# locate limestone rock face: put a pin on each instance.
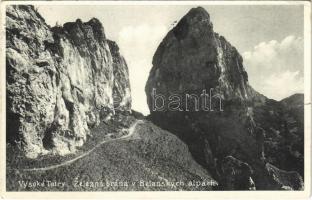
(247, 131)
(60, 81)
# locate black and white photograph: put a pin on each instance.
(124, 96)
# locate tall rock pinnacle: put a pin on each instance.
(192, 57)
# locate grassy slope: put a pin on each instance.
(152, 154)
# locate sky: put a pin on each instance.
(269, 37)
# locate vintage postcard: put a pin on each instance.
(166, 99)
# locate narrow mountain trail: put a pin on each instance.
(131, 131)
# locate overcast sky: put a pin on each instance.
(270, 39)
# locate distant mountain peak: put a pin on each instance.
(294, 100)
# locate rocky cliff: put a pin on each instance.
(198, 89)
(61, 81)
